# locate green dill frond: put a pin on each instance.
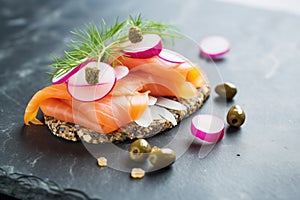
(152, 27)
(135, 21)
(99, 42)
(91, 43)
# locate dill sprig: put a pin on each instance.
(99, 42)
(152, 27)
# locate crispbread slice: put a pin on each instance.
(74, 132)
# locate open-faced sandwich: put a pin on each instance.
(119, 83)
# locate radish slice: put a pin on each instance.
(150, 46)
(121, 72)
(106, 75)
(79, 89)
(168, 103)
(65, 77)
(208, 128)
(214, 47)
(171, 56)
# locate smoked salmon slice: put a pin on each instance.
(142, 76)
(102, 116)
(191, 72)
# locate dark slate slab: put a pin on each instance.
(263, 63)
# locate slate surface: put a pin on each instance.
(263, 64)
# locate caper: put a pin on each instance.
(135, 34)
(226, 90)
(236, 116)
(161, 158)
(139, 150)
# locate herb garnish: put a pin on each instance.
(99, 43)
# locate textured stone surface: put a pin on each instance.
(263, 64)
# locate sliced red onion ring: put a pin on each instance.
(214, 47)
(150, 46)
(168, 103)
(171, 56)
(208, 128)
(65, 77)
(152, 100)
(163, 113)
(121, 72)
(155, 113)
(79, 89)
(146, 118)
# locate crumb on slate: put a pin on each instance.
(102, 162)
(137, 173)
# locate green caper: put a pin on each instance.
(139, 150)
(161, 158)
(236, 116)
(226, 90)
(135, 34)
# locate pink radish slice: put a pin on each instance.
(121, 72)
(171, 56)
(91, 92)
(150, 46)
(214, 47)
(79, 89)
(208, 128)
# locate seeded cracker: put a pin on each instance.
(92, 75)
(130, 131)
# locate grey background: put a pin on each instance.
(263, 63)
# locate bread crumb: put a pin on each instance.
(102, 162)
(155, 148)
(137, 173)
